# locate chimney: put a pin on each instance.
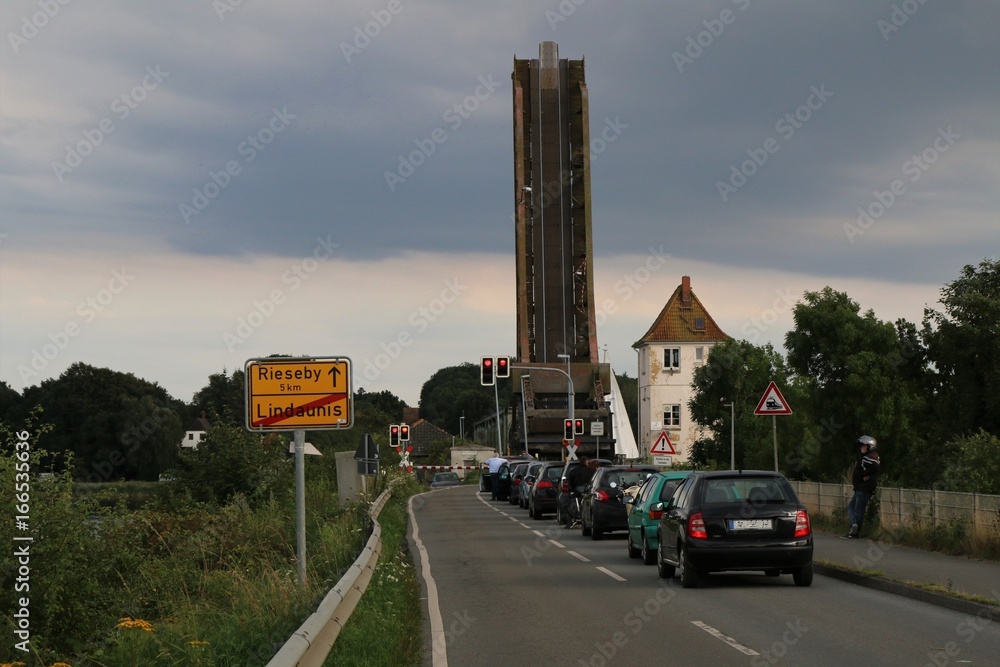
(686, 292)
(411, 415)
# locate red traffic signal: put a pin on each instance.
(487, 376)
(568, 429)
(394, 435)
(404, 432)
(578, 427)
(503, 367)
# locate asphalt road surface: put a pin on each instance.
(504, 589)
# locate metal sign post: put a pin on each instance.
(293, 394)
(300, 504)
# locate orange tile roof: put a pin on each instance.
(676, 322)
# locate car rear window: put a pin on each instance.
(625, 478)
(739, 489)
(667, 489)
(553, 473)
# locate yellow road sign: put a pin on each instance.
(286, 394)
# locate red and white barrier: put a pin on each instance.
(450, 467)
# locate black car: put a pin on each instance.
(602, 508)
(566, 511)
(445, 479)
(542, 497)
(527, 482)
(735, 520)
(517, 469)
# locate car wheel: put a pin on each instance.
(803, 576)
(560, 519)
(632, 551)
(648, 557)
(665, 570)
(584, 528)
(689, 578)
(535, 514)
(595, 532)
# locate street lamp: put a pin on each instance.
(524, 410)
(732, 434)
(461, 428)
(567, 358)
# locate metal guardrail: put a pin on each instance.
(310, 644)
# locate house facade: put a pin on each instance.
(196, 432)
(675, 345)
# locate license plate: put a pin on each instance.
(750, 524)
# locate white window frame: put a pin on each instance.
(672, 415)
(671, 358)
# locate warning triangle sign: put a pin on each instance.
(663, 445)
(772, 402)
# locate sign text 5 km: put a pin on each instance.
(287, 394)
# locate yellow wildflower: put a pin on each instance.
(135, 623)
(197, 642)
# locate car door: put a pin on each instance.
(640, 508)
(674, 518)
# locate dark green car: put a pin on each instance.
(645, 511)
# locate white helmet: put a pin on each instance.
(868, 440)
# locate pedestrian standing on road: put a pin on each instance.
(864, 479)
(493, 465)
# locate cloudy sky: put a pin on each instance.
(188, 185)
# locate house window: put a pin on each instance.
(671, 358)
(699, 354)
(190, 436)
(699, 324)
(671, 416)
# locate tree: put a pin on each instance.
(223, 398)
(963, 344)
(739, 372)
(232, 461)
(454, 392)
(851, 376)
(973, 464)
(93, 411)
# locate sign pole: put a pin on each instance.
(774, 429)
(300, 503)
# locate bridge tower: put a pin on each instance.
(554, 253)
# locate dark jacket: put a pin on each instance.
(865, 476)
(579, 477)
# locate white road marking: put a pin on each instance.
(729, 640)
(611, 574)
(557, 544)
(576, 555)
(439, 653)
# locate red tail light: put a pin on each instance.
(601, 496)
(545, 484)
(655, 514)
(802, 527)
(696, 527)
(564, 488)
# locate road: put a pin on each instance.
(511, 590)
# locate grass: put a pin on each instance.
(386, 626)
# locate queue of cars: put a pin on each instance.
(687, 523)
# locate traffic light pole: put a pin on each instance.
(496, 403)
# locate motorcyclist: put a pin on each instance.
(579, 478)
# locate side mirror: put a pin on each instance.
(656, 507)
(629, 500)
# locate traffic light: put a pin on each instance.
(394, 435)
(578, 427)
(486, 372)
(503, 367)
(404, 432)
(568, 429)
